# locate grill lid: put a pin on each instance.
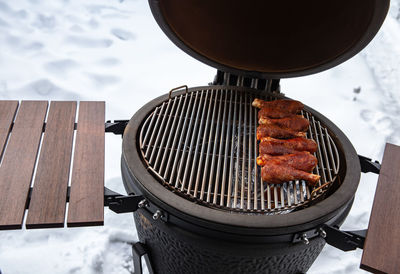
(271, 39)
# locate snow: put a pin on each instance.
(114, 51)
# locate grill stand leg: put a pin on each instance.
(139, 251)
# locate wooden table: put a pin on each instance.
(43, 152)
(382, 245)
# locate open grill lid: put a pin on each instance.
(271, 39)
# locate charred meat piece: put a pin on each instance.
(277, 108)
(295, 122)
(275, 131)
(274, 146)
(275, 113)
(279, 104)
(276, 174)
(301, 160)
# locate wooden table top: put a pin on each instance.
(43, 153)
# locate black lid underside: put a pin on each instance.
(271, 39)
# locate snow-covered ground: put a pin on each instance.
(114, 51)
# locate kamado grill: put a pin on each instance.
(191, 154)
(189, 158)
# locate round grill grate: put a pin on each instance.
(202, 145)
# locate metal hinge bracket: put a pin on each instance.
(367, 165)
(117, 127)
(122, 203)
(344, 240)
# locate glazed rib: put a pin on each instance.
(276, 174)
(295, 122)
(301, 160)
(275, 131)
(274, 146)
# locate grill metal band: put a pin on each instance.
(202, 145)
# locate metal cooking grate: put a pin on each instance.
(202, 145)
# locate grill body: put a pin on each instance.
(175, 250)
(192, 236)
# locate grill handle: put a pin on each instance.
(139, 251)
(184, 86)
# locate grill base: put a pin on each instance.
(173, 250)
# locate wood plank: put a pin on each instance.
(382, 245)
(49, 196)
(18, 163)
(86, 205)
(7, 114)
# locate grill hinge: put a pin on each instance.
(367, 165)
(344, 240)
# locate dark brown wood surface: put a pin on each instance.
(382, 246)
(7, 113)
(86, 205)
(18, 163)
(49, 196)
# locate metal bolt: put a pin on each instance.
(304, 239)
(143, 203)
(157, 215)
(322, 233)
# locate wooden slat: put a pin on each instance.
(19, 161)
(86, 205)
(7, 113)
(49, 196)
(382, 246)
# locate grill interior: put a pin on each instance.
(202, 145)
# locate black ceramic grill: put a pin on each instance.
(203, 147)
(191, 155)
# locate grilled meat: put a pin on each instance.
(274, 146)
(279, 104)
(277, 108)
(275, 113)
(301, 160)
(277, 132)
(276, 174)
(295, 122)
(278, 121)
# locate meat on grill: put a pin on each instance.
(277, 108)
(295, 122)
(275, 113)
(275, 131)
(300, 160)
(274, 146)
(279, 104)
(276, 174)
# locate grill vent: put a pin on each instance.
(202, 145)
